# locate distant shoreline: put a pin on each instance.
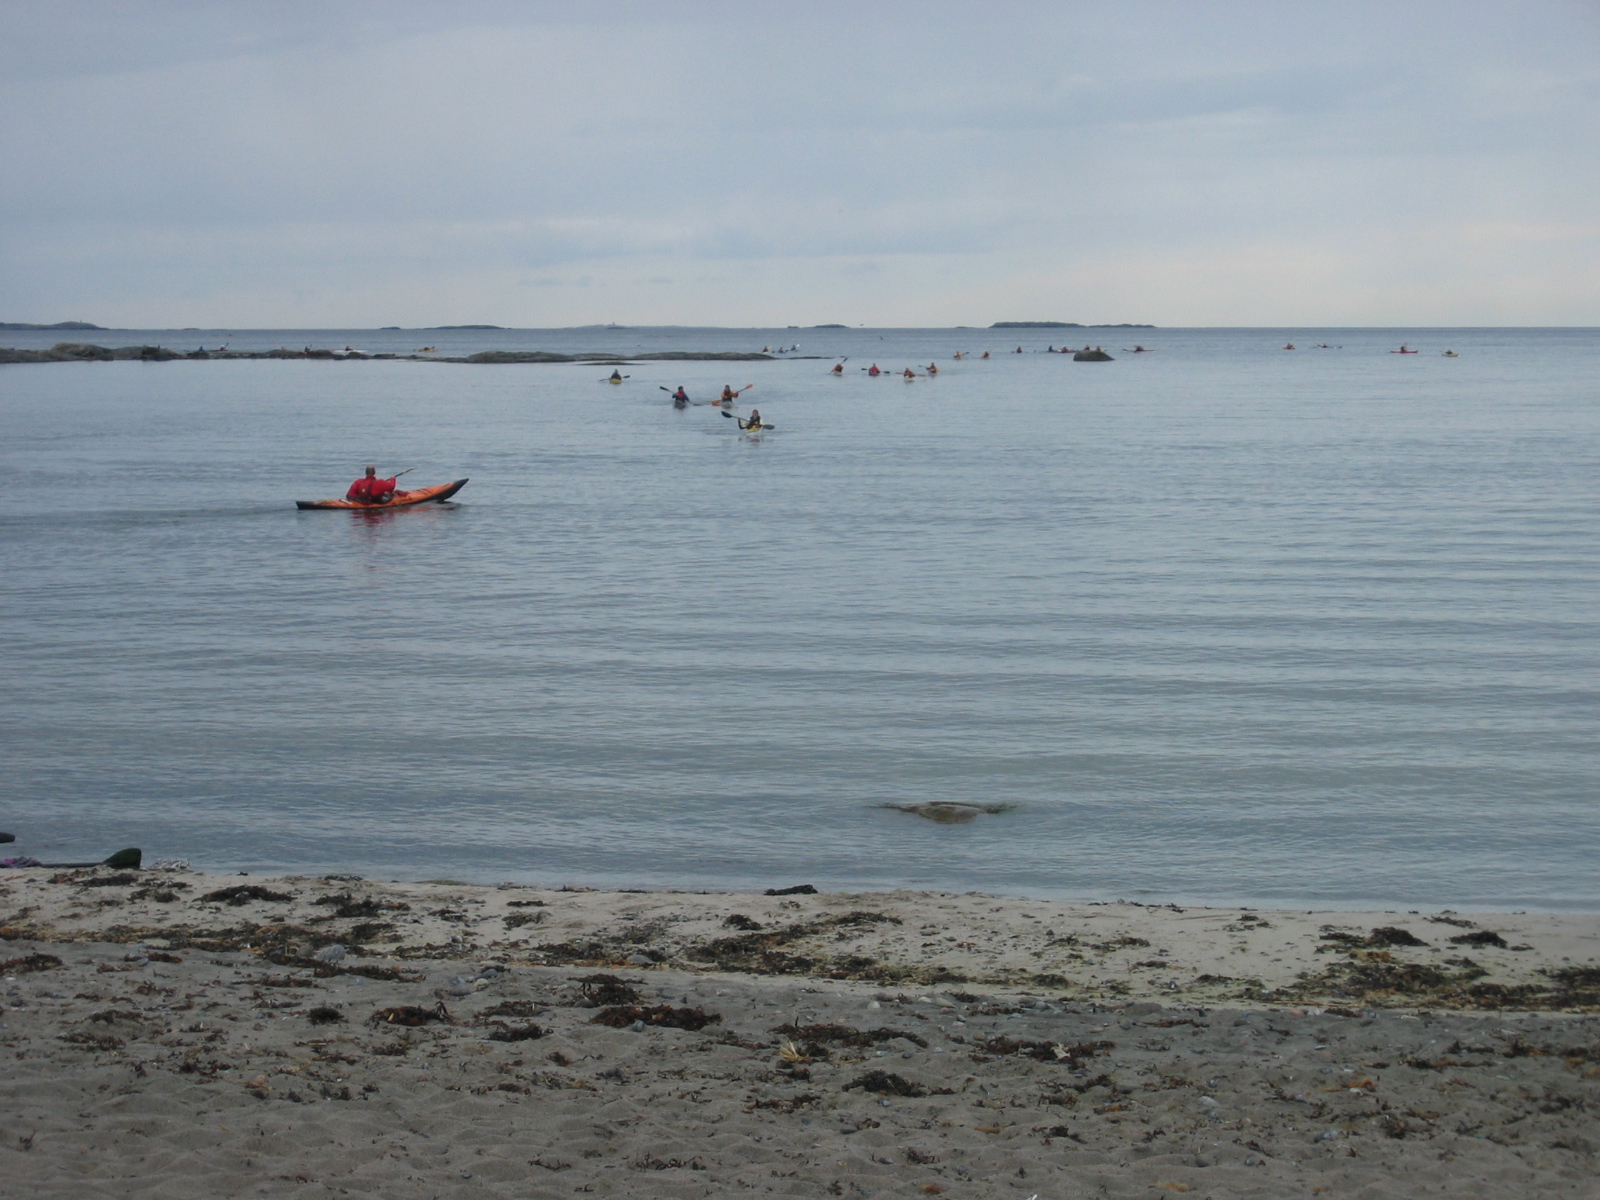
(85, 352)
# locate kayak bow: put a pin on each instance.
(427, 495)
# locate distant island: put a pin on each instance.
(433, 327)
(1063, 325)
(824, 327)
(57, 325)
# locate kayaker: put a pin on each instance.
(728, 393)
(838, 369)
(369, 489)
(933, 368)
(754, 422)
(616, 377)
(680, 398)
(909, 373)
(873, 370)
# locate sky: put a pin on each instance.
(358, 163)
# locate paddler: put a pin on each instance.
(728, 394)
(838, 369)
(369, 489)
(933, 368)
(754, 422)
(873, 371)
(616, 376)
(680, 398)
(909, 373)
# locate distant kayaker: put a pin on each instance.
(838, 369)
(728, 393)
(616, 376)
(985, 354)
(369, 489)
(680, 398)
(873, 370)
(754, 422)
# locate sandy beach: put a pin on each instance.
(171, 1032)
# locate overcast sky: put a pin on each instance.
(342, 163)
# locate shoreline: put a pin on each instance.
(1089, 951)
(174, 1032)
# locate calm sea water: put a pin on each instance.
(1223, 622)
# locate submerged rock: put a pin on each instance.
(949, 812)
(1092, 356)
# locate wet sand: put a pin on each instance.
(169, 1035)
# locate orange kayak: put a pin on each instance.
(427, 495)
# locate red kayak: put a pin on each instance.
(427, 495)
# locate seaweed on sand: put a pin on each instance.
(1072, 1057)
(605, 991)
(885, 1083)
(661, 1015)
(760, 952)
(346, 905)
(239, 896)
(1409, 984)
(845, 1035)
(1380, 938)
(29, 963)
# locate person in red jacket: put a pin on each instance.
(369, 489)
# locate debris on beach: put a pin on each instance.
(660, 1015)
(411, 1015)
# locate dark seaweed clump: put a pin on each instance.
(885, 1083)
(1482, 937)
(605, 991)
(661, 1016)
(844, 1035)
(238, 897)
(29, 963)
(1072, 1057)
(1380, 938)
(516, 1033)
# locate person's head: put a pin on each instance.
(371, 472)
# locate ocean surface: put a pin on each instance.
(1223, 623)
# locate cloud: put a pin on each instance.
(361, 157)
